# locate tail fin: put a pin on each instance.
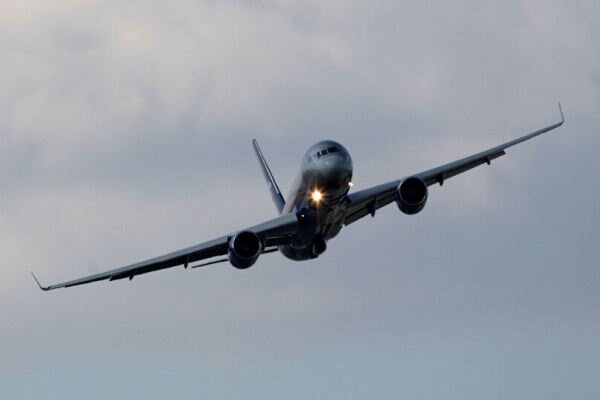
(275, 192)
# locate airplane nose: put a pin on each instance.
(335, 169)
(334, 173)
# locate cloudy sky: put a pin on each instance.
(125, 132)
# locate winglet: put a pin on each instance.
(562, 116)
(44, 288)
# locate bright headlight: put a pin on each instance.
(316, 196)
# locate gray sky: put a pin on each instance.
(125, 132)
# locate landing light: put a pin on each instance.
(316, 196)
(350, 184)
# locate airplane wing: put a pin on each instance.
(367, 201)
(272, 233)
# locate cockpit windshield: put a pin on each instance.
(315, 156)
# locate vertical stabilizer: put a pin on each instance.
(273, 188)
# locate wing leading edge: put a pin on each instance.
(273, 232)
(367, 201)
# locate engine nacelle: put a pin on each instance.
(244, 249)
(411, 195)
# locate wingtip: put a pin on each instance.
(562, 115)
(44, 288)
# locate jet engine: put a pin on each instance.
(244, 249)
(411, 195)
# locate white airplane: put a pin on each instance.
(318, 206)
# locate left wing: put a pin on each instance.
(367, 201)
(272, 233)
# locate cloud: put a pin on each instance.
(125, 132)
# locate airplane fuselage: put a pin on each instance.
(317, 197)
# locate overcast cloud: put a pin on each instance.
(125, 132)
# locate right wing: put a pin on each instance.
(367, 201)
(274, 232)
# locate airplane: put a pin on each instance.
(319, 205)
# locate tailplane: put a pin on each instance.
(274, 189)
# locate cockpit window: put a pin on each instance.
(315, 156)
